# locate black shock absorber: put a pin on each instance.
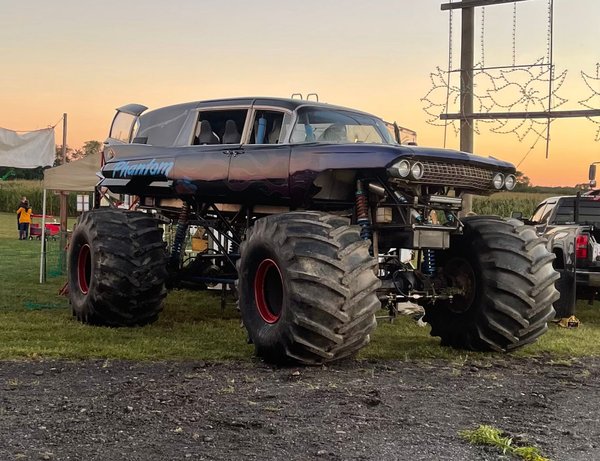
(362, 212)
(180, 234)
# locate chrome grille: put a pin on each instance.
(457, 175)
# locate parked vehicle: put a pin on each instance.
(571, 225)
(306, 207)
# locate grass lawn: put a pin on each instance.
(35, 322)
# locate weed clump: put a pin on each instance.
(488, 435)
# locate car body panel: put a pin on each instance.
(262, 173)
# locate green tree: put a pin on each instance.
(89, 148)
(523, 182)
(69, 154)
(92, 148)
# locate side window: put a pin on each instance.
(136, 129)
(537, 215)
(589, 211)
(565, 212)
(547, 211)
(220, 126)
(122, 127)
(268, 127)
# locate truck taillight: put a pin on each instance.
(581, 246)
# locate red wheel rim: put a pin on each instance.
(268, 291)
(84, 268)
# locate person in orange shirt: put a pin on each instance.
(21, 203)
(24, 214)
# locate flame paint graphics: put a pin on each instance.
(152, 168)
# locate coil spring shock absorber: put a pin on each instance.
(233, 247)
(180, 233)
(428, 267)
(362, 212)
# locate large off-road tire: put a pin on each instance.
(505, 279)
(117, 268)
(307, 290)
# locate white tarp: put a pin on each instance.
(79, 175)
(27, 150)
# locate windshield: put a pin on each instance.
(338, 127)
(589, 212)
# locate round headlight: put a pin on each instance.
(417, 170)
(498, 181)
(402, 168)
(510, 182)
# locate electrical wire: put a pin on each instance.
(530, 149)
(39, 129)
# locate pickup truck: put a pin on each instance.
(572, 226)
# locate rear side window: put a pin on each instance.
(220, 126)
(122, 127)
(589, 212)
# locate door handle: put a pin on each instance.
(233, 152)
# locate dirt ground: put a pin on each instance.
(105, 410)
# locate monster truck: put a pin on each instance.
(305, 207)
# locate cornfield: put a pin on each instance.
(12, 191)
(505, 203)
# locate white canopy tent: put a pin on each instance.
(78, 176)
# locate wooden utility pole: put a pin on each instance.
(467, 46)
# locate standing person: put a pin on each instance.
(21, 205)
(24, 214)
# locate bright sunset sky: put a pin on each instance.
(86, 58)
